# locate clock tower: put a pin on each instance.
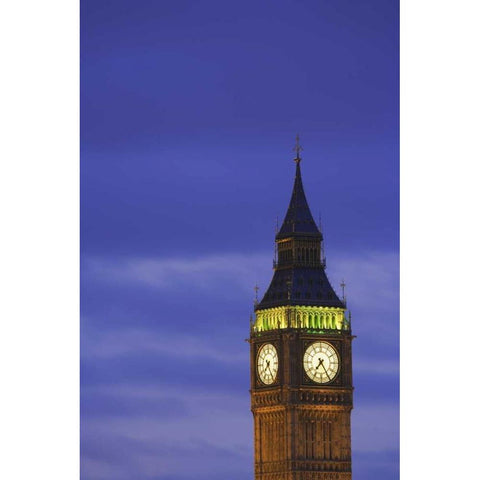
(301, 359)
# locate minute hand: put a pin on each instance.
(321, 363)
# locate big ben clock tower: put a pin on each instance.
(301, 360)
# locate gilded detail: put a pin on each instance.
(314, 318)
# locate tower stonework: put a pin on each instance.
(301, 360)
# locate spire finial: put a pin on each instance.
(297, 149)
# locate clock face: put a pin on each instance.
(321, 362)
(267, 363)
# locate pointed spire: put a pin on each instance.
(299, 274)
(298, 219)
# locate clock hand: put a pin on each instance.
(268, 367)
(325, 370)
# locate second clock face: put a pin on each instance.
(321, 362)
(267, 363)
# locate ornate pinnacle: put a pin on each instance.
(256, 294)
(343, 285)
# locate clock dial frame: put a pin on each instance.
(321, 362)
(267, 364)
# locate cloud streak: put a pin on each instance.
(131, 341)
(372, 279)
(166, 274)
(216, 428)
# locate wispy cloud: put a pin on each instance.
(379, 270)
(130, 341)
(201, 273)
(195, 397)
(217, 429)
(372, 279)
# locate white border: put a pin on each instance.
(40, 239)
(439, 238)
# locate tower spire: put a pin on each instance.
(299, 264)
(299, 219)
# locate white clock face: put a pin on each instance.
(267, 363)
(321, 362)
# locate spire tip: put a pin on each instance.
(297, 149)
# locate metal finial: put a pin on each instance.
(256, 294)
(297, 149)
(344, 299)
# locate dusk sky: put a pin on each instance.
(189, 112)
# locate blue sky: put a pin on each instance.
(189, 112)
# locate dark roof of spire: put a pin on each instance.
(300, 286)
(298, 219)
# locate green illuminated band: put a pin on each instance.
(324, 318)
